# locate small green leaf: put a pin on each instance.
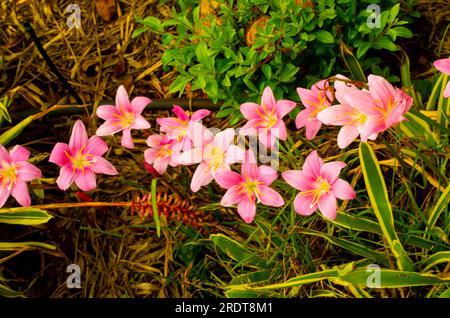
(27, 216)
(154, 24)
(324, 36)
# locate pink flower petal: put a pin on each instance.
(140, 122)
(302, 204)
(268, 100)
(330, 171)
(447, 90)
(247, 210)
(79, 137)
(343, 190)
(284, 107)
(380, 88)
(313, 164)
(202, 176)
(86, 181)
(122, 101)
(154, 141)
(139, 103)
(302, 118)
(224, 138)
(27, 172)
(312, 128)
(160, 165)
(19, 153)
(181, 114)
(373, 125)
(249, 110)
(328, 205)
(249, 167)
(299, 179)
(4, 155)
(267, 139)
(66, 177)
(169, 124)
(270, 197)
(226, 179)
(279, 130)
(232, 196)
(127, 140)
(107, 112)
(343, 88)
(199, 134)
(150, 155)
(234, 154)
(362, 101)
(308, 97)
(347, 134)
(337, 115)
(267, 174)
(443, 65)
(21, 194)
(200, 114)
(108, 128)
(250, 128)
(96, 146)
(5, 192)
(102, 165)
(58, 155)
(192, 156)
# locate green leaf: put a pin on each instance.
(357, 223)
(27, 216)
(363, 48)
(355, 248)
(352, 63)
(324, 36)
(376, 189)
(154, 24)
(8, 246)
(402, 32)
(15, 131)
(415, 127)
(393, 13)
(237, 252)
(441, 204)
(385, 43)
(138, 32)
(180, 83)
(253, 277)
(433, 260)
(288, 73)
(359, 278)
(202, 54)
(155, 207)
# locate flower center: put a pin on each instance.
(126, 119)
(322, 187)
(8, 176)
(252, 185)
(268, 119)
(165, 151)
(214, 157)
(81, 161)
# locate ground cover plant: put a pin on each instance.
(263, 149)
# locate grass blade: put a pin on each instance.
(29, 216)
(376, 189)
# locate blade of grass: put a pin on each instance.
(376, 189)
(155, 207)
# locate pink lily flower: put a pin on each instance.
(319, 186)
(249, 187)
(163, 152)
(443, 65)
(315, 100)
(177, 127)
(352, 119)
(81, 159)
(214, 153)
(266, 120)
(383, 105)
(124, 116)
(15, 172)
